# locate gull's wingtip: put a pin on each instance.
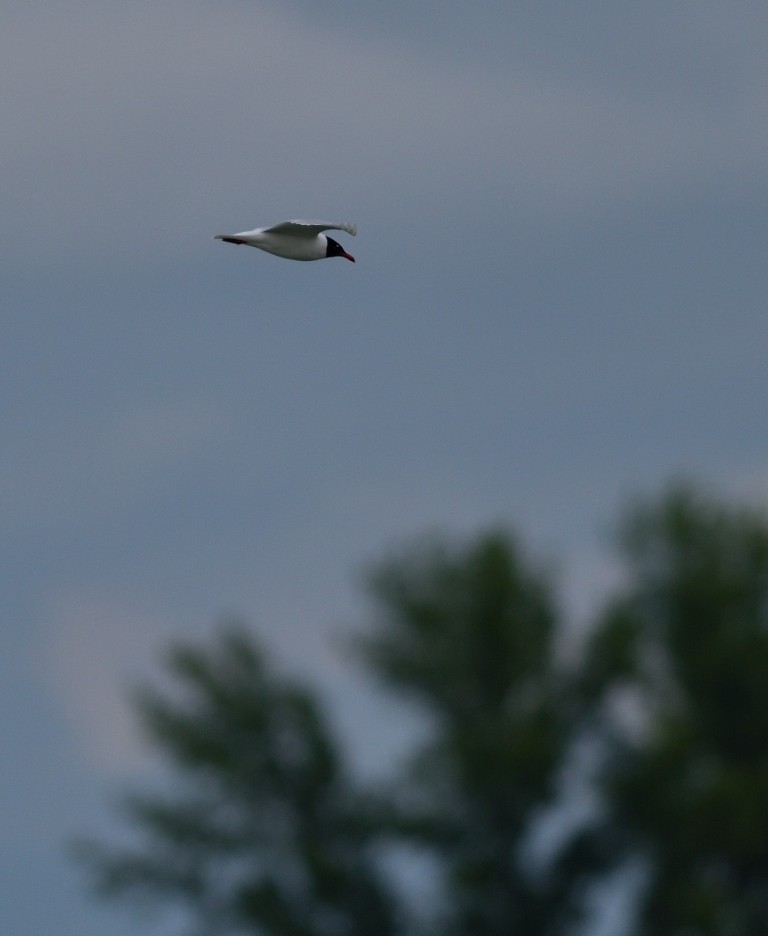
(229, 238)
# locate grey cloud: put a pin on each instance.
(138, 128)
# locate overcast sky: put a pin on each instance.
(559, 301)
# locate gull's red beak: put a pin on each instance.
(348, 256)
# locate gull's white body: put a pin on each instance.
(294, 240)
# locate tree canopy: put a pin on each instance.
(267, 829)
(687, 641)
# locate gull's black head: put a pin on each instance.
(336, 250)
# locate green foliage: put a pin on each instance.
(265, 831)
(688, 644)
(469, 634)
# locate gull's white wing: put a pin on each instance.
(309, 228)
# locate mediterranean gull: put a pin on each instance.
(295, 240)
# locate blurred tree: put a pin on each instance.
(684, 654)
(266, 831)
(470, 635)
(263, 832)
